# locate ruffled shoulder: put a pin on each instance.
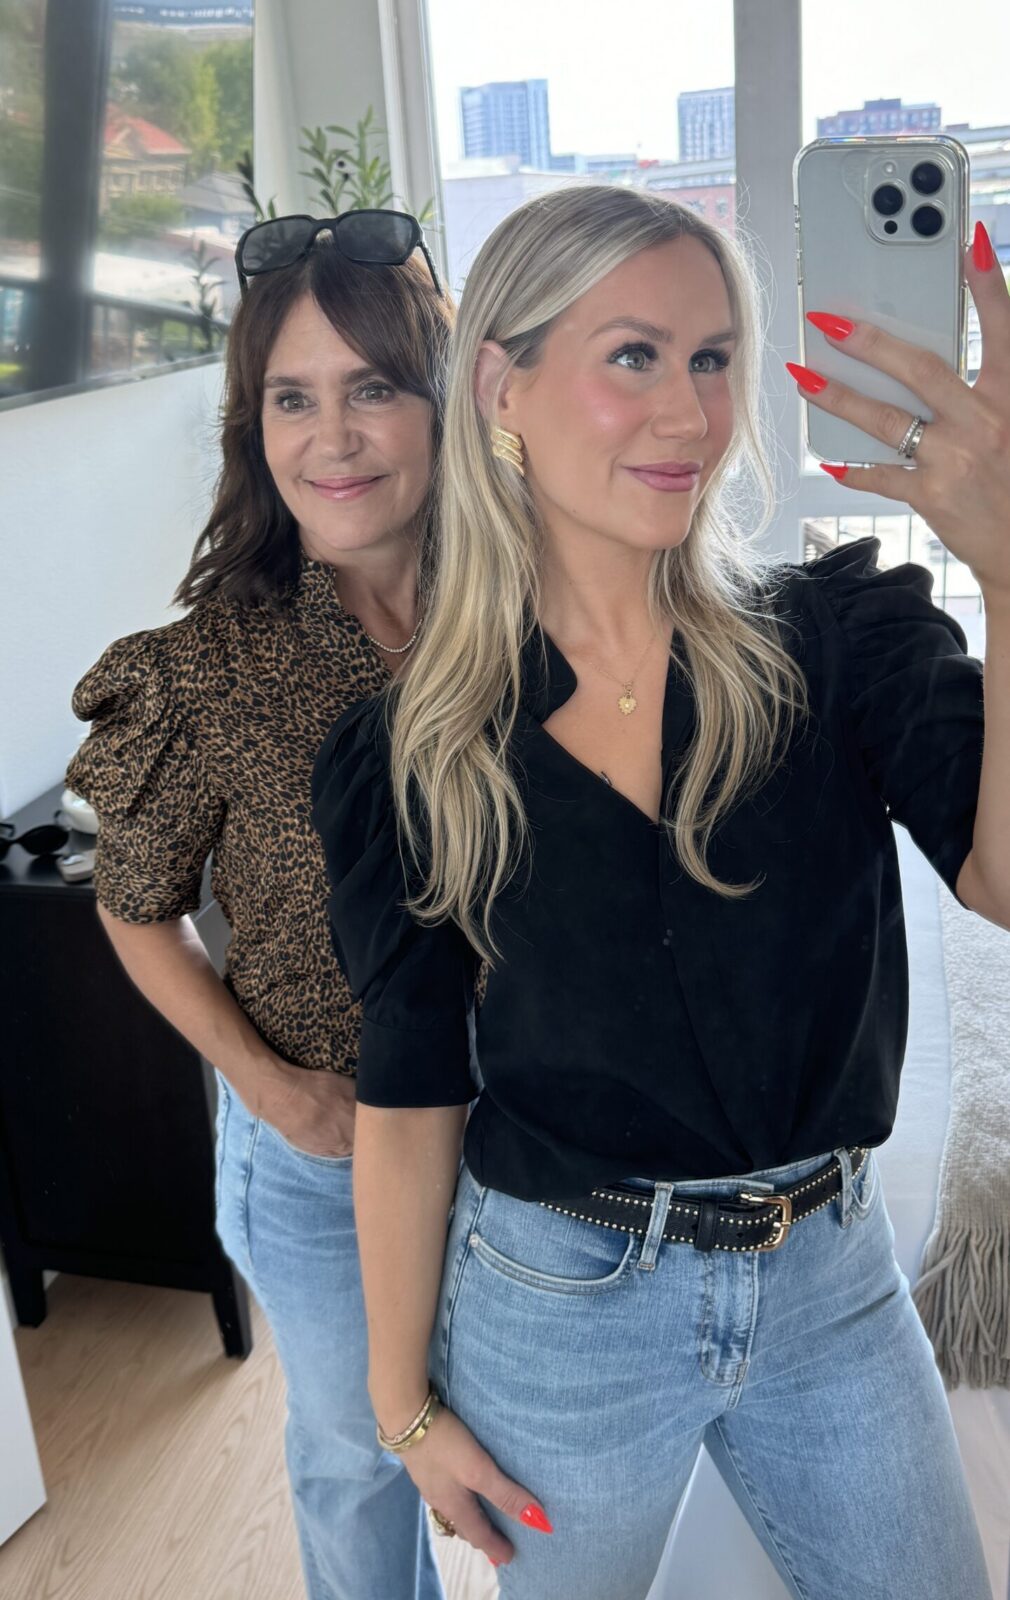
(127, 697)
(880, 610)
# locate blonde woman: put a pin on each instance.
(652, 779)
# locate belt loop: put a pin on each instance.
(657, 1222)
(845, 1195)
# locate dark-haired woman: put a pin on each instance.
(302, 597)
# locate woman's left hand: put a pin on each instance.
(961, 482)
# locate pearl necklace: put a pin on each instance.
(390, 649)
(395, 650)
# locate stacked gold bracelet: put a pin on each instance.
(415, 1431)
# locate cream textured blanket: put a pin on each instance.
(963, 1291)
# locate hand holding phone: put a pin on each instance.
(881, 227)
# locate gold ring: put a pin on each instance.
(442, 1524)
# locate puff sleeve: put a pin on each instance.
(415, 982)
(914, 695)
(140, 771)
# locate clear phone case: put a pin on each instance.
(881, 226)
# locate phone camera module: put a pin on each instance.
(927, 221)
(927, 177)
(888, 199)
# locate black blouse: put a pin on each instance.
(637, 1023)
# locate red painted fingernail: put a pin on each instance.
(535, 1518)
(835, 472)
(812, 382)
(834, 327)
(982, 252)
(493, 1562)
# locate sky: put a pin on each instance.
(614, 72)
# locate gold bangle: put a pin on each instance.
(415, 1431)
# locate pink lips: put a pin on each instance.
(668, 476)
(343, 488)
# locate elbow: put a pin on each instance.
(979, 895)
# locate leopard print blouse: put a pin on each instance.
(203, 737)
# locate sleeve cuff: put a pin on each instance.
(410, 1067)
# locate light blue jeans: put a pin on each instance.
(593, 1365)
(286, 1220)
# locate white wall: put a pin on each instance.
(101, 498)
(316, 63)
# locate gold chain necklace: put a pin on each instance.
(627, 703)
(391, 650)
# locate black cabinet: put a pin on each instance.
(106, 1114)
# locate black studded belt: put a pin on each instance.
(738, 1223)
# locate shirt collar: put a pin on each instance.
(548, 681)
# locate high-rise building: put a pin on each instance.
(880, 116)
(506, 119)
(707, 120)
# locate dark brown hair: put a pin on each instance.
(394, 319)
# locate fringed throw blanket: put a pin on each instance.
(963, 1292)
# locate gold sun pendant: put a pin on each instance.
(627, 703)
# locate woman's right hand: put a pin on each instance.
(314, 1111)
(450, 1469)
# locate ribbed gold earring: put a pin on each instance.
(508, 447)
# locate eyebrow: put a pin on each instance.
(660, 335)
(357, 375)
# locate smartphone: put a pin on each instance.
(881, 227)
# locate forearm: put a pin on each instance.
(986, 873)
(406, 1164)
(169, 965)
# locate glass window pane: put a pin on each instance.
(526, 101)
(904, 536)
(885, 71)
(145, 275)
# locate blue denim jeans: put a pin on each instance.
(593, 1365)
(286, 1220)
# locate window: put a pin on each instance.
(538, 106)
(145, 100)
(960, 89)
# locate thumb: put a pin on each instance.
(513, 1500)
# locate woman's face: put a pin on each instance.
(628, 412)
(350, 455)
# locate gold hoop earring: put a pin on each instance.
(508, 447)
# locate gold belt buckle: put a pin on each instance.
(783, 1221)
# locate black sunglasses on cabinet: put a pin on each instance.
(371, 238)
(44, 840)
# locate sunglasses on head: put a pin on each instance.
(371, 238)
(41, 841)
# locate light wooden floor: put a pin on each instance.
(163, 1460)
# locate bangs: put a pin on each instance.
(381, 314)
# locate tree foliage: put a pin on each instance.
(201, 96)
(138, 216)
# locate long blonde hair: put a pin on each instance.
(461, 818)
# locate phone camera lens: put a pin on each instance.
(927, 177)
(888, 199)
(927, 221)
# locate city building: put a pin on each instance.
(139, 158)
(881, 116)
(707, 187)
(478, 194)
(707, 123)
(507, 119)
(989, 154)
(603, 165)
